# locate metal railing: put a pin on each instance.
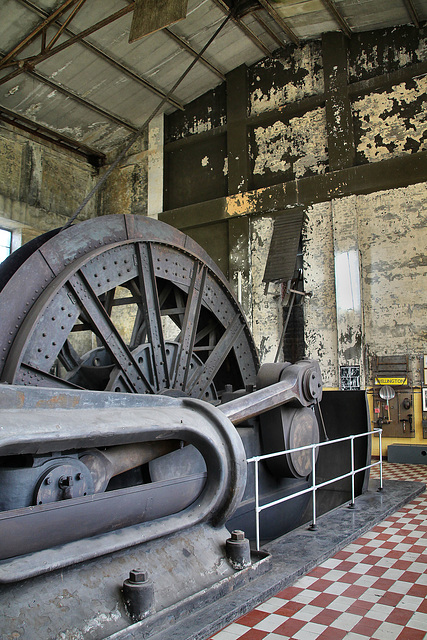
(314, 487)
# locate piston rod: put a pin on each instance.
(300, 382)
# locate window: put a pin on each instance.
(5, 244)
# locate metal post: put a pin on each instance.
(256, 506)
(313, 525)
(351, 505)
(381, 460)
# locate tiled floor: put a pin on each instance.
(375, 587)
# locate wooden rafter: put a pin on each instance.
(339, 19)
(412, 12)
(243, 27)
(279, 21)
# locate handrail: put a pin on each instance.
(314, 487)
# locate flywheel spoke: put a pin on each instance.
(189, 326)
(110, 337)
(202, 379)
(68, 357)
(152, 314)
(30, 375)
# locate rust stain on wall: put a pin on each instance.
(243, 203)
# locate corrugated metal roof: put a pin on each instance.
(112, 77)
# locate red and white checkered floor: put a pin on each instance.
(375, 587)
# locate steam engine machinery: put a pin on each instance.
(131, 397)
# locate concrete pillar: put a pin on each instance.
(155, 166)
(348, 288)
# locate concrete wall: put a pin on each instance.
(40, 184)
(390, 236)
(126, 190)
(136, 185)
(266, 316)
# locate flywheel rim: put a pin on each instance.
(160, 267)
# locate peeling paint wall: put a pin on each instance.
(266, 307)
(391, 234)
(201, 115)
(391, 123)
(41, 185)
(296, 75)
(320, 314)
(396, 48)
(393, 241)
(295, 149)
(389, 231)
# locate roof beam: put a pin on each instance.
(412, 12)
(339, 19)
(279, 21)
(29, 63)
(62, 27)
(270, 31)
(86, 103)
(246, 30)
(17, 120)
(187, 47)
(112, 61)
(37, 31)
(184, 45)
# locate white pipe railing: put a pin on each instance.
(314, 487)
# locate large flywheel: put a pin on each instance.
(122, 303)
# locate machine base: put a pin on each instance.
(189, 571)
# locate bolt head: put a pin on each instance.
(48, 480)
(237, 535)
(138, 575)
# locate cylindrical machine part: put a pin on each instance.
(138, 595)
(289, 428)
(238, 550)
(104, 465)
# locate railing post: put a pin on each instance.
(381, 460)
(256, 506)
(314, 486)
(313, 525)
(351, 505)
